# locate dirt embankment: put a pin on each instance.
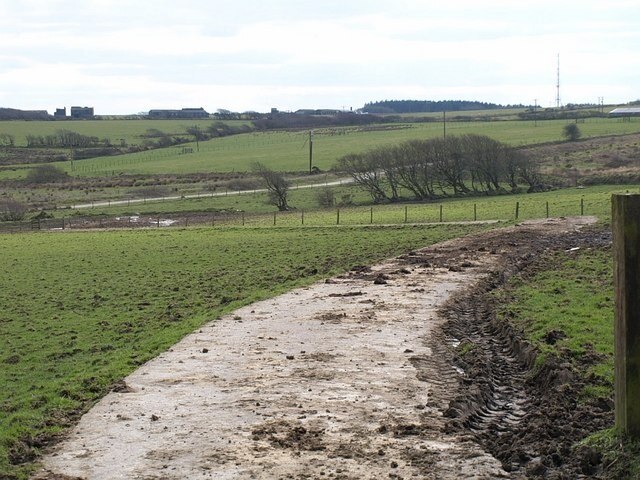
(352, 378)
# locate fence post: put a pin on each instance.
(582, 206)
(475, 212)
(243, 219)
(338, 217)
(547, 209)
(406, 213)
(274, 219)
(371, 212)
(63, 223)
(302, 216)
(158, 222)
(626, 244)
(441, 213)
(517, 210)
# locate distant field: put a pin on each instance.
(82, 310)
(115, 130)
(289, 151)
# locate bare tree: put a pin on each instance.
(276, 185)
(530, 173)
(383, 158)
(450, 163)
(365, 174)
(414, 168)
(486, 160)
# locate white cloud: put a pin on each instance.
(293, 54)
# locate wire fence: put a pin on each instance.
(399, 214)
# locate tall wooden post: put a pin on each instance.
(626, 244)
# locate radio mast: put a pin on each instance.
(558, 84)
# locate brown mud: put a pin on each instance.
(353, 378)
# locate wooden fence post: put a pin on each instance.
(475, 212)
(517, 210)
(371, 215)
(406, 213)
(338, 217)
(547, 209)
(626, 248)
(440, 213)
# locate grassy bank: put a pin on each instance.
(565, 306)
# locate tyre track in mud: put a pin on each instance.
(348, 379)
(531, 421)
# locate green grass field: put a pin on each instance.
(289, 151)
(81, 310)
(565, 202)
(131, 131)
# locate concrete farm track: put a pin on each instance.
(349, 378)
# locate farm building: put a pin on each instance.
(82, 112)
(184, 113)
(625, 112)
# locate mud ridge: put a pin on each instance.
(528, 419)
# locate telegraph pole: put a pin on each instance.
(444, 124)
(310, 151)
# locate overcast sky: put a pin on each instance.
(130, 56)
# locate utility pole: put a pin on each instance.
(310, 151)
(197, 135)
(444, 124)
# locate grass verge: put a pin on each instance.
(565, 306)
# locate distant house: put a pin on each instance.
(625, 112)
(82, 112)
(319, 111)
(183, 113)
(60, 112)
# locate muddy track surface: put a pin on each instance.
(351, 378)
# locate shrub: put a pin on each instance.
(12, 210)
(325, 197)
(571, 132)
(46, 174)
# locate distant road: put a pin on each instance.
(109, 203)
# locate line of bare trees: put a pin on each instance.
(429, 169)
(63, 139)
